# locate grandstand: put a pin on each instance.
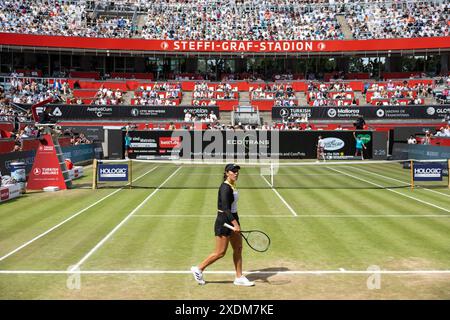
(169, 91)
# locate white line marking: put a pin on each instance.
(393, 179)
(388, 189)
(293, 272)
(68, 219)
(301, 215)
(98, 245)
(177, 215)
(281, 198)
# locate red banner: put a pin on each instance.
(223, 46)
(46, 169)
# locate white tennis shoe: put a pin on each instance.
(243, 281)
(198, 275)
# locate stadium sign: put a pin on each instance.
(89, 112)
(245, 46)
(112, 172)
(253, 144)
(368, 112)
(428, 172)
(164, 46)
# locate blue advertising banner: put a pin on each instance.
(112, 172)
(428, 172)
(79, 153)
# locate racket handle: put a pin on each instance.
(229, 226)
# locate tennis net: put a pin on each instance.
(289, 175)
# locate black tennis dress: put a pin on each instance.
(227, 209)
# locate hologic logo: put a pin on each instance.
(332, 113)
(106, 171)
(332, 144)
(428, 172)
(380, 113)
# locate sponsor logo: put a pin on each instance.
(134, 112)
(248, 142)
(169, 142)
(57, 112)
(443, 110)
(196, 111)
(431, 111)
(99, 111)
(364, 137)
(284, 112)
(4, 193)
(113, 172)
(332, 144)
(428, 172)
(46, 171)
(331, 113)
(380, 113)
(143, 145)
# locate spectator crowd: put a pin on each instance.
(269, 20)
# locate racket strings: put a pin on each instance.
(258, 241)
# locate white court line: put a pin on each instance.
(208, 216)
(98, 245)
(301, 215)
(281, 198)
(70, 218)
(290, 272)
(388, 189)
(393, 179)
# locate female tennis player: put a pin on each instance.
(227, 212)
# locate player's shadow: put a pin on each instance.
(260, 275)
(219, 281)
(263, 275)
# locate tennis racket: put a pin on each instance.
(257, 240)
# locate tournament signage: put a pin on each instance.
(112, 172)
(428, 172)
(46, 170)
(94, 112)
(211, 144)
(368, 112)
(162, 46)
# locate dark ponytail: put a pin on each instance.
(224, 176)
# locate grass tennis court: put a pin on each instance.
(329, 226)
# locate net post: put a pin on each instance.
(94, 174)
(448, 172)
(130, 174)
(412, 173)
(271, 174)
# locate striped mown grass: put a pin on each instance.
(348, 219)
